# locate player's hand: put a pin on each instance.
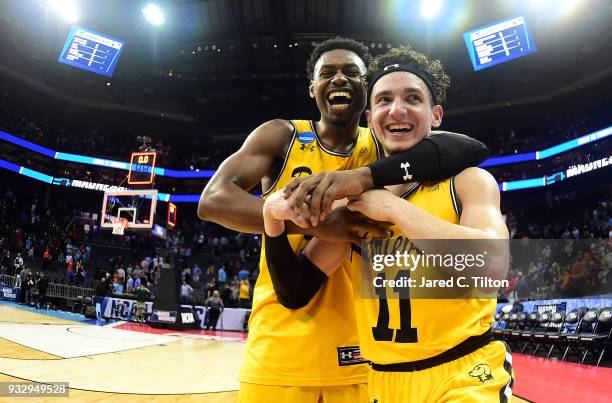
(277, 208)
(325, 187)
(342, 225)
(375, 204)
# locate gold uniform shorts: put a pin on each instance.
(485, 375)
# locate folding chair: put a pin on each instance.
(521, 323)
(497, 318)
(531, 323)
(557, 322)
(511, 325)
(597, 342)
(538, 336)
(586, 328)
(501, 325)
(569, 327)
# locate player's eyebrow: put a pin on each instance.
(406, 90)
(334, 66)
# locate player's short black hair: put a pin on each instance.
(430, 66)
(336, 43)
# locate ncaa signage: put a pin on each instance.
(187, 317)
(10, 293)
(306, 137)
(117, 308)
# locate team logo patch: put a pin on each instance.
(306, 137)
(482, 372)
(301, 171)
(350, 356)
(363, 150)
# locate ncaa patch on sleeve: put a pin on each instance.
(350, 355)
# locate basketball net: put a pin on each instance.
(119, 226)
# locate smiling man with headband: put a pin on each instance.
(421, 350)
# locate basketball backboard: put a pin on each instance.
(134, 208)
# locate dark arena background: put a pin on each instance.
(86, 84)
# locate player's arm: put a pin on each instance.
(296, 278)
(480, 217)
(226, 199)
(438, 156)
(480, 214)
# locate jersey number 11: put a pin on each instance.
(406, 333)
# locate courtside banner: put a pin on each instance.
(401, 268)
(10, 293)
(117, 308)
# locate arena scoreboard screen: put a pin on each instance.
(142, 168)
(499, 42)
(91, 51)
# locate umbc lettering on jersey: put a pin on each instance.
(301, 171)
(350, 355)
(386, 246)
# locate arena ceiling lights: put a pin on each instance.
(429, 8)
(66, 9)
(153, 14)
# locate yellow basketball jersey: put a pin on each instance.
(404, 330)
(315, 345)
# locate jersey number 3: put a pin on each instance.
(406, 333)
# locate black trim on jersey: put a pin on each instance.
(280, 172)
(410, 191)
(462, 349)
(456, 201)
(508, 367)
(336, 153)
(380, 153)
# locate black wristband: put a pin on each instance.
(294, 278)
(438, 156)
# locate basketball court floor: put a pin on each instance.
(128, 362)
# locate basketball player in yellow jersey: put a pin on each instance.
(308, 354)
(425, 350)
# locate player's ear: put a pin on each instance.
(311, 89)
(369, 119)
(438, 111)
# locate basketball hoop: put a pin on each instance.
(119, 226)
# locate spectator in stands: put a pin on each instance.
(221, 278)
(215, 305)
(117, 287)
(197, 272)
(79, 277)
(18, 263)
(243, 274)
(186, 274)
(521, 288)
(7, 267)
(46, 259)
(142, 295)
(566, 284)
(244, 294)
(42, 285)
(26, 286)
(129, 285)
(186, 291)
(227, 296)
